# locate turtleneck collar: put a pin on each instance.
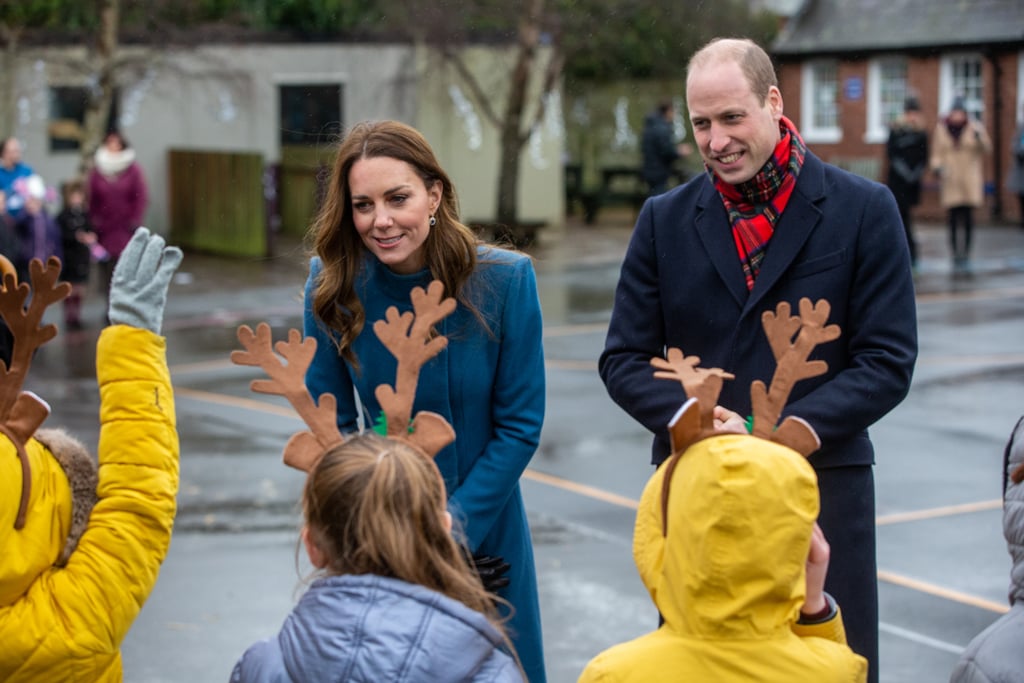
(111, 163)
(395, 284)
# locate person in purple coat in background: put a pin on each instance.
(117, 198)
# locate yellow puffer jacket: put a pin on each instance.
(67, 623)
(729, 579)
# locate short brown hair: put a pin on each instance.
(753, 61)
(71, 186)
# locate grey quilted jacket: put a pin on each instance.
(996, 655)
(371, 629)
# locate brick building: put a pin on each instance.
(846, 66)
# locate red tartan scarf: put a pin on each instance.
(754, 206)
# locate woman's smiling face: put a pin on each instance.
(391, 209)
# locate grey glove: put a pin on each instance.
(138, 291)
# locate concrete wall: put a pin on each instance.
(468, 143)
(609, 118)
(226, 98)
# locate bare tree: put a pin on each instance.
(29, 29)
(101, 65)
(529, 29)
(17, 17)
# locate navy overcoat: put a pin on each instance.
(839, 238)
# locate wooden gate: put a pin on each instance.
(301, 185)
(217, 202)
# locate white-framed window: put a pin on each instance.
(887, 91)
(960, 75)
(819, 108)
(1020, 88)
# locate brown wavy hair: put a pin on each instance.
(451, 246)
(374, 505)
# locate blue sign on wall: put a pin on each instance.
(853, 88)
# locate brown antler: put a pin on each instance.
(792, 366)
(304, 448)
(21, 413)
(24, 324)
(408, 338)
(703, 384)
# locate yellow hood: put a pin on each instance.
(733, 563)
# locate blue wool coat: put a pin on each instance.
(365, 629)
(839, 238)
(488, 385)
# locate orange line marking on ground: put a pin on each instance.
(581, 489)
(629, 503)
(939, 591)
(935, 513)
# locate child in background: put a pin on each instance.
(8, 240)
(78, 240)
(82, 549)
(37, 231)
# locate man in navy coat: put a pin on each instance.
(769, 222)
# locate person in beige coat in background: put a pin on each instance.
(959, 147)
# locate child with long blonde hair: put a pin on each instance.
(395, 600)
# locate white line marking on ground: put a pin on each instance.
(920, 638)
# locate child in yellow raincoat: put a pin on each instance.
(729, 579)
(80, 548)
(726, 539)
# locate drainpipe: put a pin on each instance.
(997, 136)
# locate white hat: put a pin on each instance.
(35, 187)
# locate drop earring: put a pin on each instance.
(433, 221)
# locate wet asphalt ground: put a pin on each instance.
(233, 571)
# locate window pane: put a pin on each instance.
(67, 113)
(892, 90)
(310, 114)
(826, 90)
(968, 84)
(68, 105)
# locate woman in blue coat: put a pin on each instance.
(389, 223)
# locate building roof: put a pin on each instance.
(840, 26)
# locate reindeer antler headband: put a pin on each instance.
(407, 336)
(21, 412)
(792, 338)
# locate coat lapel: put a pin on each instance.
(712, 223)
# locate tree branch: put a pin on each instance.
(551, 74)
(453, 58)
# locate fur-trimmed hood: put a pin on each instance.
(62, 494)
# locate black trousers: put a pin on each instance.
(905, 215)
(848, 519)
(961, 225)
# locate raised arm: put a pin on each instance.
(89, 605)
